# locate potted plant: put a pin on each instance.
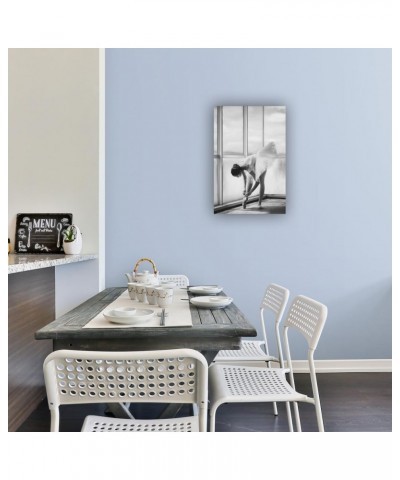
(72, 242)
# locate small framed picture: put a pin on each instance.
(250, 160)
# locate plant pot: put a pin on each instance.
(74, 247)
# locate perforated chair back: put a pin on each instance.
(180, 280)
(164, 376)
(308, 317)
(275, 299)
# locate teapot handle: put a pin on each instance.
(145, 260)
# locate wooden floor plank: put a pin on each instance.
(351, 402)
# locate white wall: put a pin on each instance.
(69, 293)
(54, 141)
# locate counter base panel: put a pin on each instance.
(31, 305)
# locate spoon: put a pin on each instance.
(59, 228)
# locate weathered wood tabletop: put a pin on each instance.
(212, 330)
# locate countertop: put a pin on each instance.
(22, 263)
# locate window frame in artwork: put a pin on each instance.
(219, 156)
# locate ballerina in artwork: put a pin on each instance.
(253, 171)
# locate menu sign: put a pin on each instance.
(41, 232)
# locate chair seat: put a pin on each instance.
(249, 384)
(250, 350)
(95, 423)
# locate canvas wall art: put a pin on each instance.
(250, 160)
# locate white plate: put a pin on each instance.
(122, 312)
(211, 302)
(205, 289)
(140, 316)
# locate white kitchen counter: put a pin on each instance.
(24, 262)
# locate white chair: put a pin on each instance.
(164, 376)
(180, 280)
(235, 384)
(275, 300)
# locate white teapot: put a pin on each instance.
(129, 276)
(143, 277)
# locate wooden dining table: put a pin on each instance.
(212, 330)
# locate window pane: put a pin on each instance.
(255, 129)
(275, 127)
(232, 118)
(215, 131)
(275, 131)
(216, 184)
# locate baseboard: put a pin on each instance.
(337, 366)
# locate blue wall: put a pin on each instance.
(334, 243)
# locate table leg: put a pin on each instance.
(171, 410)
(209, 355)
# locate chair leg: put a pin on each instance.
(54, 420)
(274, 404)
(319, 415)
(289, 416)
(297, 416)
(202, 415)
(213, 411)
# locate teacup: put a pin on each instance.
(152, 294)
(141, 292)
(164, 296)
(132, 291)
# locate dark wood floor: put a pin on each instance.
(351, 402)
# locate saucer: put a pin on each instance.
(205, 289)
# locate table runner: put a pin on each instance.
(178, 312)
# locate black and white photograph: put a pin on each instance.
(250, 160)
